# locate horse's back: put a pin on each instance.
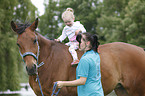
(120, 62)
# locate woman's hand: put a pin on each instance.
(77, 32)
(59, 84)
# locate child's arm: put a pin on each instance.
(58, 40)
(62, 37)
(81, 29)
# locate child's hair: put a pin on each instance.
(92, 38)
(68, 14)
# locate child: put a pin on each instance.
(71, 30)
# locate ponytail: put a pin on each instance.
(95, 43)
(68, 13)
(70, 9)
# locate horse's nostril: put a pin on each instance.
(34, 66)
(32, 70)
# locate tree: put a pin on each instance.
(134, 22)
(123, 21)
(48, 25)
(2, 65)
(18, 10)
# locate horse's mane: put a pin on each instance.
(51, 39)
(21, 27)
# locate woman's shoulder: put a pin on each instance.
(87, 55)
(90, 54)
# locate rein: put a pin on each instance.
(39, 85)
(54, 88)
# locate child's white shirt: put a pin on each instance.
(70, 31)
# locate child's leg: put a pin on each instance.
(73, 52)
(72, 48)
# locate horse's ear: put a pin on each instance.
(34, 25)
(14, 26)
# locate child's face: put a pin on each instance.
(68, 22)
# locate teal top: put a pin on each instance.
(89, 67)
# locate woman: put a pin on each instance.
(88, 75)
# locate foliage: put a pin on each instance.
(124, 22)
(49, 21)
(11, 56)
(2, 64)
(17, 10)
(135, 16)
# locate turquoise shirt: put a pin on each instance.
(89, 67)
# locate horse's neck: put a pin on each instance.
(45, 48)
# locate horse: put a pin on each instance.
(122, 64)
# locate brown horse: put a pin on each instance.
(122, 65)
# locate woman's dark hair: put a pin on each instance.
(89, 37)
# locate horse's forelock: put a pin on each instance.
(21, 27)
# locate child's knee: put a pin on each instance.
(71, 48)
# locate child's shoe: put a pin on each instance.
(75, 62)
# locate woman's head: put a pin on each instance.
(88, 42)
(68, 16)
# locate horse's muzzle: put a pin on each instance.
(32, 70)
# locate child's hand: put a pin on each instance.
(57, 40)
(77, 32)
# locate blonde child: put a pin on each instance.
(71, 30)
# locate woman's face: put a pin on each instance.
(68, 22)
(83, 45)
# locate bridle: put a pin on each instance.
(35, 57)
(32, 54)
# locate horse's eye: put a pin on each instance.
(35, 41)
(18, 45)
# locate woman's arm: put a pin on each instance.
(77, 82)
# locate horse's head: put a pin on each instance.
(28, 44)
